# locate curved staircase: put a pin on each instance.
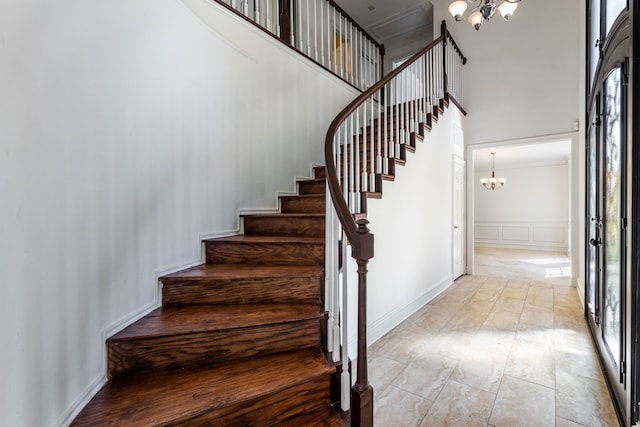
(237, 340)
(242, 340)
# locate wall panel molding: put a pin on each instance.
(547, 235)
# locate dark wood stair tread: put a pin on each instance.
(242, 238)
(166, 321)
(286, 215)
(206, 272)
(373, 195)
(304, 196)
(316, 180)
(183, 395)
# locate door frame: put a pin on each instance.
(576, 217)
(457, 160)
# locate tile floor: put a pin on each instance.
(508, 346)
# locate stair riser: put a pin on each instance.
(303, 205)
(319, 172)
(294, 253)
(284, 226)
(137, 355)
(311, 187)
(286, 289)
(268, 410)
(323, 417)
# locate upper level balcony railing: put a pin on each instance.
(320, 30)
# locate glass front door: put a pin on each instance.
(606, 227)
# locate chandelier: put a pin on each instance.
(493, 183)
(483, 11)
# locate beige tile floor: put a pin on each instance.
(508, 346)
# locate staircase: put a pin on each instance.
(237, 340)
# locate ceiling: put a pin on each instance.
(518, 155)
(390, 20)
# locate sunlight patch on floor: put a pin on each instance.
(557, 272)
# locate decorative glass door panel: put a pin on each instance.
(612, 198)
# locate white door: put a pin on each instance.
(458, 217)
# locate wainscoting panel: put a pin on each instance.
(488, 232)
(517, 234)
(551, 236)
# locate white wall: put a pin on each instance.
(413, 249)
(530, 211)
(129, 131)
(522, 77)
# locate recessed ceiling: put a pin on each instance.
(407, 21)
(389, 19)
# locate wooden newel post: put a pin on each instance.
(362, 392)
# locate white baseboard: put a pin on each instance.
(562, 249)
(96, 384)
(87, 394)
(378, 328)
(99, 381)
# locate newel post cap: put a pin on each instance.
(362, 241)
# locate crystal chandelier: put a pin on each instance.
(493, 183)
(483, 11)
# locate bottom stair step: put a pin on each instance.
(325, 417)
(263, 391)
(179, 337)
